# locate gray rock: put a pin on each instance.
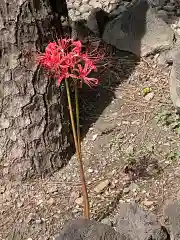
(97, 20)
(172, 213)
(118, 11)
(139, 30)
(89, 230)
(139, 224)
(174, 82)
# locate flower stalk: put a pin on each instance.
(76, 135)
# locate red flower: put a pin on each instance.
(65, 59)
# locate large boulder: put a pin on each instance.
(139, 30)
(89, 230)
(139, 224)
(172, 215)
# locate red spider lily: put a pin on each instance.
(65, 59)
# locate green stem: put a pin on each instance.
(79, 155)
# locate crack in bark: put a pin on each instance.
(46, 113)
(35, 74)
(17, 38)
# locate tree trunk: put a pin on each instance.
(34, 120)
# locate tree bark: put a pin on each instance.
(35, 135)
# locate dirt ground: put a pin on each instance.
(132, 147)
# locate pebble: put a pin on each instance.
(126, 190)
(101, 186)
(130, 150)
(76, 5)
(149, 96)
(169, 8)
(30, 217)
(77, 13)
(95, 4)
(79, 201)
(52, 189)
(84, 8)
(90, 170)
(94, 137)
(107, 221)
(38, 221)
(133, 187)
(2, 189)
(178, 31)
(50, 201)
(148, 203)
(85, 1)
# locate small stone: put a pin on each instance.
(71, 12)
(95, 4)
(149, 96)
(76, 4)
(52, 189)
(148, 203)
(178, 31)
(38, 221)
(101, 186)
(106, 221)
(77, 13)
(125, 122)
(40, 202)
(90, 170)
(50, 201)
(133, 187)
(130, 150)
(79, 201)
(94, 137)
(173, 26)
(84, 8)
(169, 8)
(126, 190)
(85, 15)
(2, 189)
(31, 217)
(19, 204)
(73, 196)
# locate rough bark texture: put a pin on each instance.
(34, 124)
